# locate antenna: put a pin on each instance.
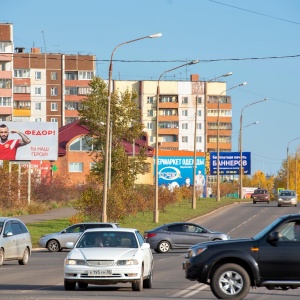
(44, 41)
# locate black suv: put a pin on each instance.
(270, 259)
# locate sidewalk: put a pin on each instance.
(57, 213)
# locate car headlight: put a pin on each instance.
(128, 262)
(74, 262)
(195, 251)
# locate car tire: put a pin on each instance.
(25, 258)
(254, 202)
(230, 281)
(53, 246)
(1, 256)
(163, 247)
(149, 281)
(138, 284)
(69, 286)
(83, 285)
(279, 205)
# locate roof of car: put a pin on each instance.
(3, 219)
(112, 229)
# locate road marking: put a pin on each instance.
(189, 292)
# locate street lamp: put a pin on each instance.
(287, 162)
(156, 212)
(241, 152)
(107, 144)
(218, 137)
(195, 142)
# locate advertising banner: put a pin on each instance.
(28, 140)
(230, 163)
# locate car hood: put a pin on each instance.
(214, 243)
(104, 253)
(286, 197)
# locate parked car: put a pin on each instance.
(15, 241)
(270, 259)
(287, 197)
(260, 195)
(57, 241)
(180, 235)
(109, 256)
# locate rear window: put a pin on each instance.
(260, 192)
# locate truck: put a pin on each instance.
(270, 259)
(260, 195)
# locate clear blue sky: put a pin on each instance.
(221, 34)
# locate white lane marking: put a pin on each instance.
(202, 287)
(243, 223)
(189, 290)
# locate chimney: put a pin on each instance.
(19, 50)
(35, 50)
(194, 77)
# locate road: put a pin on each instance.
(42, 278)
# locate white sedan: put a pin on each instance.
(109, 256)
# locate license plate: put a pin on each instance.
(97, 272)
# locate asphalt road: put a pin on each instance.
(42, 278)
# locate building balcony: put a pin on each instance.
(21, 112)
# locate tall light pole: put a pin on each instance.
(156, 211)
(107, 144)
(218, 137)
(287, 162)
(195, 141)
(241, 151)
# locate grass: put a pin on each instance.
(181, 211)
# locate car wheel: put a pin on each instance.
(53, 246)
(25, 258)
(149, 281)
(254, 202)
(138, 284)
(1, 256)
(83, 285)
(230, 281)
(163, 247)
(278, 205)
(69, 286)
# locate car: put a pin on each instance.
(270, 259)
(260, 195)
(15, 241)
(57, 241)
(180, 235)
(122, 256)
(287, 197)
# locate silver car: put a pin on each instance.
(57, 241)
(15, 241)
(287, 197)
(180, 235)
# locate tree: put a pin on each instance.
(125, 125)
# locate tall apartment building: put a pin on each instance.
(41, 87)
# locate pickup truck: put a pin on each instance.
(270, 259)
(260, 195)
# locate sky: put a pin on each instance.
(258, 41)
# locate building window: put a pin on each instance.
(54, 106)
(73, 105)
(199, 100)
(168, 125)
(199, 126)
(92, 165)
(184, 126)
(37, 90)
(185, 100)
(84, 90)
(22, 73)
(5, 83)
(21, 89)
(81, 144)
(150, 112)
(71, 90)
(149, 126)
(75, 167)
(184, 113)
(5, 101)
(199, 113)
(21, 104)
(38, 75)
(184, 139)
(87, 75)
(38, 120)
(54, 91)
(151, 139)
(150, 100)
(71, 75)
(38, 106)
(167, 112)
(54, 76)
(54, 120)
(69, 120)
(199, 139)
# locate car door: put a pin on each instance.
(20, 238)
(147, 254)
(195, 234)
(9, 241)
(176, 235)
(71, 234)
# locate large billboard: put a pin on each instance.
(28, 140)
(176, 169)
(230, 163)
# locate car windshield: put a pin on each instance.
(286, 194)
(110, 239)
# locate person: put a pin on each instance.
(200, 183)
(98, 241)
(8, 148)
(188, 182)
(297, 231)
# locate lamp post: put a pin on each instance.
(241, 151)
(195, 142)
(218, 137)
(287, 162)
(107, 144)
(156, 212)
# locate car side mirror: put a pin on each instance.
(8, 234)
(145, 246)
(273, 238)
(64, 231)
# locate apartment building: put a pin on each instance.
(41, 87)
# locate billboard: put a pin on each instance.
(176, 169)
(28, 140)
(230, 163)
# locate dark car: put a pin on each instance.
(260, 195)
(270, 259)
(180, 235)
(57, 241)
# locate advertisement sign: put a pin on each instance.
(230, 163)
(28, 140)
(176, 169)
